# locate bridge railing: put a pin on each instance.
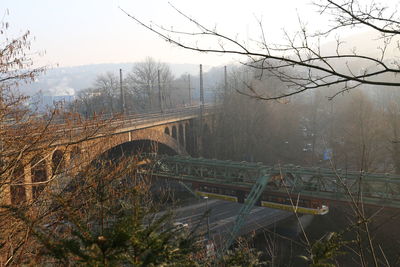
(167, 114)
(135, 115)
(136, 119)
(120, 116)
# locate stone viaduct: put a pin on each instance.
(174, 132)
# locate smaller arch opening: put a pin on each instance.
(174, 133)
(166, 130)
(38, 172)
(74, 158)
(181, 136)
(57, 161)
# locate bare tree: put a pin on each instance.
(108, 84)
(388, 104)
(357, 134)
(181, 91)
(142, 83)
(251, 130)
(102, 97)
(141, 87)
(314, 68)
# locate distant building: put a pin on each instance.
(41, 102)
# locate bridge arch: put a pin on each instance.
(151, 135)
(39, 174)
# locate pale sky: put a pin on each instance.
(80, 32)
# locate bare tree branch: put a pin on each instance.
(302, 50)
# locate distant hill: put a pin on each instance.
(66, 81)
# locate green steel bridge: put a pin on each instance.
(294, 188)
(320, 184)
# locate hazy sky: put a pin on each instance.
(79, 32)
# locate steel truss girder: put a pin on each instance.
(376, 189)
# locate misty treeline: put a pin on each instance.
(356, 130)
(143, 87)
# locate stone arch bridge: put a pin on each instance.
(173, 132)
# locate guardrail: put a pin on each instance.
(136, 119)
(126, 116)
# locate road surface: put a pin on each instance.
(222, 216)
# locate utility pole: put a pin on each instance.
(190, 91)
(226, 81)
(201, 88)
(122, 92)
(201, 111)
(159, 92)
